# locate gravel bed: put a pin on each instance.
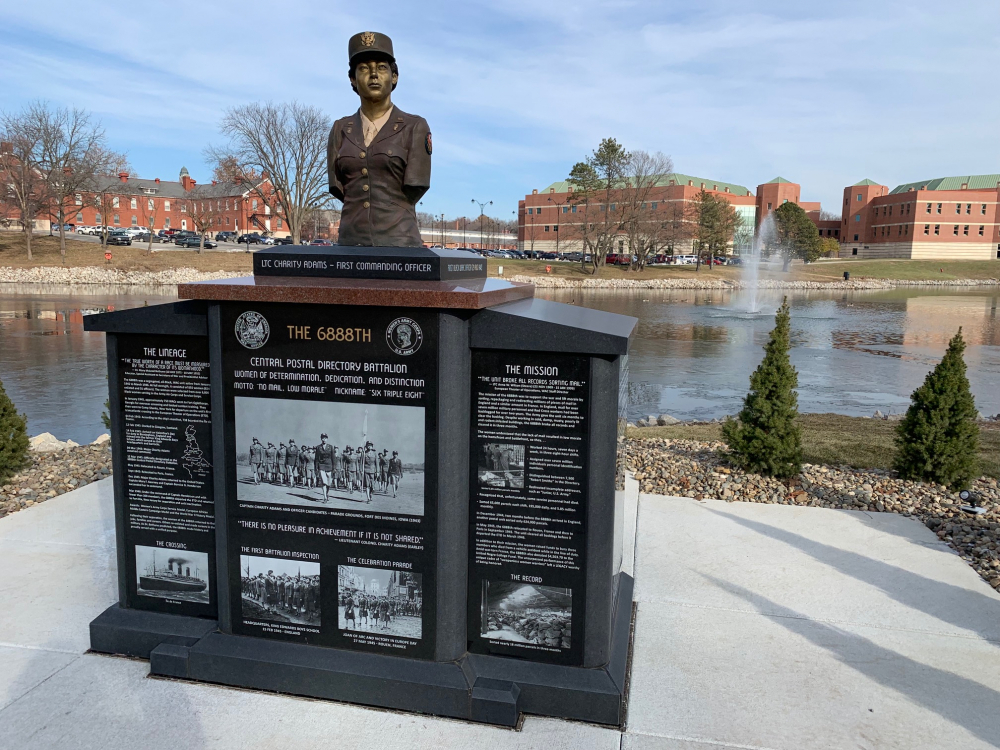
(99, 275)
(556, 282)
(689, 468)
(52, 473)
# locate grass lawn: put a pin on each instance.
(45, 251)
(837, 440)
(912, 270)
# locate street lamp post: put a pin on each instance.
(482, 212)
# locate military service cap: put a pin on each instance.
(369, 42)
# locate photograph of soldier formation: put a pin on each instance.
(389, 602)
(501, 465)
(330, 455)
(279, 590)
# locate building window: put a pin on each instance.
(859, 197)
(565, 209)
(939, 208)
(166, 223)
(573, 210)
(768, 206)
(855, 239)
(955, 230)
(546, 227)
(117, 221)
(890, 210)
(857, 217)
(654, 205)
(78, 199)
(114, 202)
(184, 209)
(279, 223)
(555, 228)
(79, 218)
(614, 206)
(928, 208)
(254, 204)
(958, 208)
(150, 205)
(983, 210)
(133, 205)
(531, 211)
(184, 223)
(166, 205)
(927, 228)
(981, 227)
(855, 250)
(97, 219)
(937, 229)
(135, 221)
(968, 208)
(965, 230)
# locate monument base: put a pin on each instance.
(487, 689)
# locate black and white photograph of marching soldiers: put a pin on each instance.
(327, 454)
(501, 465)
(527, 613)
(374, 600)
(172, 574)
(279, 590)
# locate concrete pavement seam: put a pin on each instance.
(35, 687)
(824, 621)
(4, 644)
(702, 741)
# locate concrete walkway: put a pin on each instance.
(758, 627)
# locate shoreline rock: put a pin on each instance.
(555, 282)
(107, 276)
(690, 468)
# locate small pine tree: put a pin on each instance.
(764, 437)
(13, 437)
(938, 438)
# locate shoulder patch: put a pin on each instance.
(428, 144)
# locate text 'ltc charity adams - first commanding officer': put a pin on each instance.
(379, 158)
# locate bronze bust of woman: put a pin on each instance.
(379, 158)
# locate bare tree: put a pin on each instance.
(71, 152)
(26, 187)
(108, 189)
(148, 209)
(825, 215)
(643, 172)
(287, 144)
(203, 211)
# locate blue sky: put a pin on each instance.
(823, 94)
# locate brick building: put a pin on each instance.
(947, 218)
(549, 221)
(125, 201)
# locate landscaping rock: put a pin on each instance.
(664, 419)
(52, 473)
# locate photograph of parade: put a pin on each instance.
(501, 465)
(279, 590)
(327, 454)
(527, 613)
(389, 602)
(172, 574)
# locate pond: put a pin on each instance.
(692, 355)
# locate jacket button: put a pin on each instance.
(364, 170)
(367, 204)
(390, 152)
(362, 154)
(365, 188)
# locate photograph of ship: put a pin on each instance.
(501, 465)
(329, 454)
(374, 600)
(172, 574)
(279, 590)
(526, 613)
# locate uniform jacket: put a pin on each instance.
(381, 183)
(324, 457)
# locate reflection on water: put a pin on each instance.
(856, 351)
(692, 354)
(54, 371)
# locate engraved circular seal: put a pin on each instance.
(404, 336)
(252, 330)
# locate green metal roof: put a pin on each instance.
(679, 179)
(864, 183)
(779, 180)
(974, 182)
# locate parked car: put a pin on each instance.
(736, 261)
(196, 242)
(182, 234)
(118, 237)
(285, 241)
(248, 239)
(225, 236)
(320, 242)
